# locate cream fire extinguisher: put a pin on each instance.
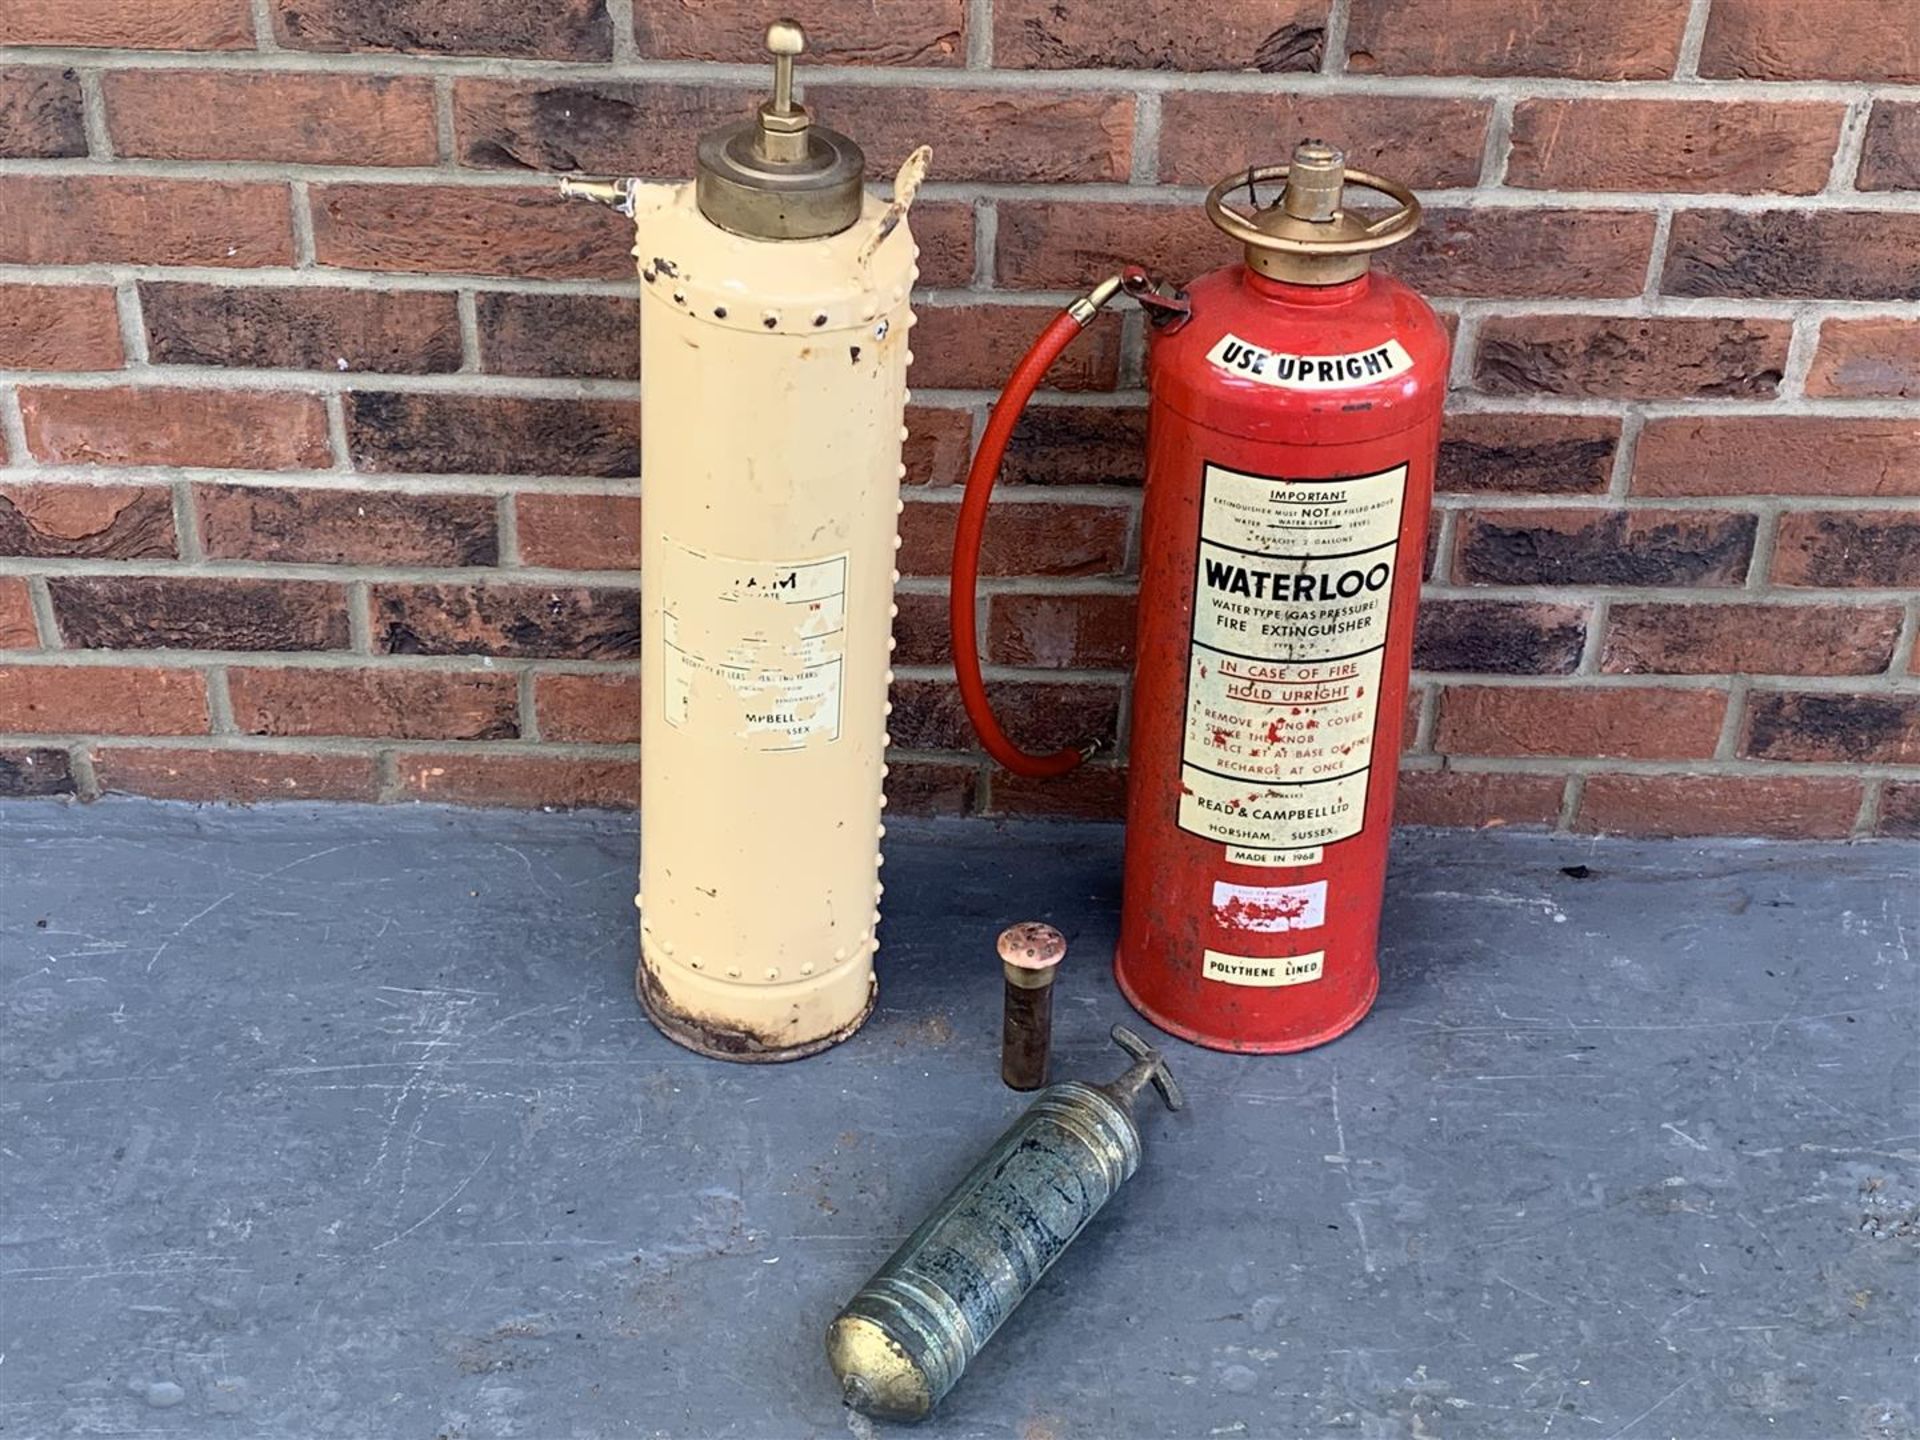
(774, 320)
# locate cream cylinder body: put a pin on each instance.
(774, 384)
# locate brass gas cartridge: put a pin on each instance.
(903, 1341)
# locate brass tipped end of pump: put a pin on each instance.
(1308, 236)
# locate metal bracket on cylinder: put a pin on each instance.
(616, 193)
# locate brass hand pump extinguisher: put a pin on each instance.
(1293, 428)
(773, 340)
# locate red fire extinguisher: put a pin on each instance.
(1293, 429)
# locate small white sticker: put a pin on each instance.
(1285, 371)
(1264, 971)
(1275, 859)
(1270, 909)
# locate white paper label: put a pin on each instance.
(1263, 971)
(1270, 909)
(1292, 595)
(754, 647)
(1285, 371)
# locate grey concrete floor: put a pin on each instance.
(343, 1122)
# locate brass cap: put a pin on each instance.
(779, 176)
(1029, 952)
(1308, 236)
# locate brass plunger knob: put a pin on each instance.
(783, 123)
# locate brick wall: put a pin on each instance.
(319, 408)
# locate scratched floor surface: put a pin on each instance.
(343, 1122)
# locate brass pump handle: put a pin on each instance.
(1388, 230)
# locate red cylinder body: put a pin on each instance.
(1292, 441)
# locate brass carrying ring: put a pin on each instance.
(1386, 231)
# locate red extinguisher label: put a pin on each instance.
(1292, 595)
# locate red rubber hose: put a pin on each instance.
(966, 554)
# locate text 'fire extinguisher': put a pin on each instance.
(1293, 429)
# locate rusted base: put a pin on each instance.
(719, 1041)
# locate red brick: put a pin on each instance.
(59, 327)
(551, 30)
(1794, 254)
(1624, 40)
(280, 116)
(124, 220)
(1044, 715)
(481, 777)
(1537, 454)
(1631, 358)
(930, 787)
(1061, 631)
(1273, 36)
(1499, 637)
(1848, 547)
(282, 524)
(1059, 244)
(1854, 729)
(35, 773)
(40, 113)
(650, 128)
(1077, 445)
(1870, 359)
(943, 231)
(921, 632)
(1786, 806)
(1477, 798)
(17, 628)
(1890, 158)
(976, 346)
(1769, 40)
(405, 704)
(219, 429)
(1602, 547)
(1021, 539)
(241, 777)
(839, 32)
(139, 612)
(597, 336)
(1750, 639)
(430, 229)
(939, 445)
(1527, 253)
(438, 433)
(580, 532)
(1777, 455)
(1674, 145)
(318, 328)
(1208, 136)
(1094, 791)
(521, 621)
(1637, 724)
(598, 709)
(87, 522)
(1899, 810)
(116, 24)
(102, 700)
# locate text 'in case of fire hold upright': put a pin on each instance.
(1292, 593)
